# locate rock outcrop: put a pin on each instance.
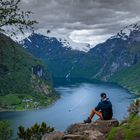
(56, 135)
(95, 131)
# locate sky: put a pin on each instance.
(84, 21)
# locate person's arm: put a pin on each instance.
(98, 107)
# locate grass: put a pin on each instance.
(126, 131)
(15, 101)
(9, 100)
(129, 78)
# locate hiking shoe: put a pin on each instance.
(88, 120)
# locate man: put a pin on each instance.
(103, 109)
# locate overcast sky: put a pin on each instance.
(90, 21)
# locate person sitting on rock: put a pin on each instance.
(103, 109)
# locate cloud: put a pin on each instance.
(84, 20)
(90, 36)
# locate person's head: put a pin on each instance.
(103, 95)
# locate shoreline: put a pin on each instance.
(63, 81)
(129, 89)
(32, 109)
(58, 97)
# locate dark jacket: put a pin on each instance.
(105, 107)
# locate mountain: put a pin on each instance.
(63, 39)
(24, 80)
(125, 33)
(115, 60)
(60, 60)
(121, 58)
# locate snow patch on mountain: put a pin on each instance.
(65, 40)
(126, 31)
(29, 40)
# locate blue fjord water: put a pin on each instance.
(75, 104)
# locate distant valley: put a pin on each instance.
(116, 60)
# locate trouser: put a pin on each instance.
(98, 113)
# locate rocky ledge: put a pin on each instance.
(94, 131)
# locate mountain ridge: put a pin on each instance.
(25, 82)
(63, 39)
(114, 55)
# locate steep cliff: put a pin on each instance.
(24, 80)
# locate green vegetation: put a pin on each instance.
(129, 129)
(5, 130)
(35, 132)
(9, 99)
(21, 102)
(129, 78)
(11, 14)
(18, 81)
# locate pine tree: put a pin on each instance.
(11, 15)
